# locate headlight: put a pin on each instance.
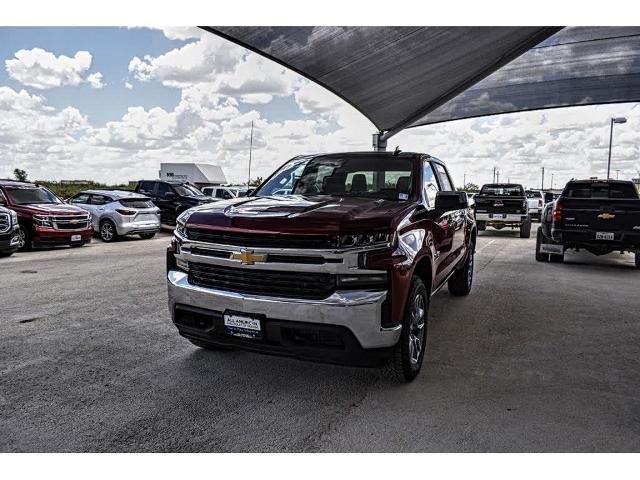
(42, 220)
(14, 218)
(181, 223)
(363, 239)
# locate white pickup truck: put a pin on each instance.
(535, 199)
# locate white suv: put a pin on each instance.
(224, 193)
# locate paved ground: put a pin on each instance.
(540, 357)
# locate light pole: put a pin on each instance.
(542, 184)
(552, 180)
(613, 120)
(617, 174)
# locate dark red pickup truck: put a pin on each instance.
(333, 258)
(43, 219)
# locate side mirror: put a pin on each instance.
(446, 201)
(169, 196)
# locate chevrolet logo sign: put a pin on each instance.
(606, 216)
(247, 257)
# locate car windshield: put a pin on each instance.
(502, 190)
(187, 190)
(31, 195)
(600, 190)
(357, 176)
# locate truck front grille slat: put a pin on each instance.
(5, 222)
(263, 282)
(70, 222)
(262, 240)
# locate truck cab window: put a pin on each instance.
(445, 180)
(429, 185)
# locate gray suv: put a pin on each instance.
(116, 213)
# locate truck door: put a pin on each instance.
(165, 199)
(453, 222)
(440, 237)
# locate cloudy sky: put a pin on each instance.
(110, 104)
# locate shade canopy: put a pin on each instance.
(400, 77)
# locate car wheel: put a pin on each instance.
(525, 229)
(24, 239)
(408, 353)
(108, 232)
(460, 282)
(147, 236)
(540, 257)
(482, 226)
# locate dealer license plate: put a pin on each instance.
(241, 326)
(76, 238)
(604, 236)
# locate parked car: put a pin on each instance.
(9, 240)
(342, 270)
(535, 199)
(172, 198)
(501, 205)
(224, 193)
(116, 213)
(43, 219)
(601, 216)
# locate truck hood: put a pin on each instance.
(320, 214)
(49, 209)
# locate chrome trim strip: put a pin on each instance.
(359, 311)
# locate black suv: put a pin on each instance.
(9, 240)
(172, 198)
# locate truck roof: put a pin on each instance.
(15, 183)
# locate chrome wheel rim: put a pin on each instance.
(22, 238)
(106, 231)
(416, 329)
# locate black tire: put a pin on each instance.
(482, 226)
(107, 231)
(461, 282)
(406, 362)
(540, 257)
(25, 244)
(525, 229)
(147, 236)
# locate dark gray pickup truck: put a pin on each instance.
(601, 216)
(501, 205)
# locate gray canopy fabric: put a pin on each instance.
(401, 77)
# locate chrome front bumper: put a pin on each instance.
(359, 311)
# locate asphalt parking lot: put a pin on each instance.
(540, 357)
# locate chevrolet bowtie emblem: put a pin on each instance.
(606, 216)
(247, 257)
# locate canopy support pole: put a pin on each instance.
(379, 142)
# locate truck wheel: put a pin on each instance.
(408, 353)
(482, 226)
(637, 259)
(540, 257)
(108, 232)
(460, 282)
(525, 229)
(24, 239)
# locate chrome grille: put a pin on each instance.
(70, 222)
(5, 222)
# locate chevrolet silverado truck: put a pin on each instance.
(601, 216)
(340, 266)
(502, 205)
(43, 219)
(8, 231)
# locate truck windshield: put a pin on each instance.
(187, 191)
(357, 176)
(502, 190)
(600, 190)
(31, 195)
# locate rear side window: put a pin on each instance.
(163, 189)
(600, 190)
(146, 187)
(99, 200)
(136, 203)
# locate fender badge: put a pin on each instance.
(606, 216)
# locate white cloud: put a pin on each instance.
(40, 69)
(128, 86)
(95, 80)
